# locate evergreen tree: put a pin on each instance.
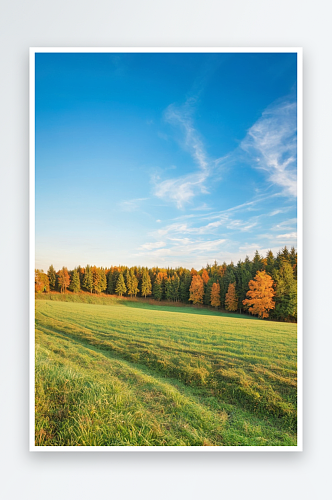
(75, 284)
(103, 280)
(146, 287)
(157, 288)
(175, 287)
(207, 293)
(168, 289)
(51, 277)
(285, 292)
(257, 263)
(120, 288)
(88, 279)
(185, 286)
(270, 262)
(132, 283)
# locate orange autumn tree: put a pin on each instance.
(215, 295)
(196, 290)
(231, 298)
(63, 279)
(260, 295)
(205, 276)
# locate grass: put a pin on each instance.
(133, 373)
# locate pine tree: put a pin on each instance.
(63, 279)
(168, 289)
(146, 287)
(175, 287)
(286, 292)
(185, 286)
(75, 284)
(231, 298)
(215, 295)
(103, 280)
(157, 289)
(120, 288)
(196, 289)
(132, 283)
(260, 295)
(88, 280)
(51, 277)
(207, 292)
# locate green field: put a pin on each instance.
(132, 373)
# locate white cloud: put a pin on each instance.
(289, 236)
(271, 142)
(151, 246)
(182, 190)
(182, 247)
(131, 205)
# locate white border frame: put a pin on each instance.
(33, 51)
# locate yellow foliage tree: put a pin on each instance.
(205, 276)
(260, 295)
(231, 298)
(215, 295)
(196, 290)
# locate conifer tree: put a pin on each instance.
(75, 284)
(207, 293)
(231, 298)
(196, 289)
(51, 277)
(146, 287)
(168, 289)
(132, 283)
(95, 279)
(175, 287)
(157, 287)
(215, 295)
(185, 286)
(120, 288)
(260, 295)
(286, 292)
(103, 280)
(88, 279)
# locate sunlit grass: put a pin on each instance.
(137, 374)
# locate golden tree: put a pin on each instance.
(260, 295)
(63, 279)
(196, 290)
(215, 295)
(231, 298)
(205, 276)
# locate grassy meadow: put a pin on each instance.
(115, 372)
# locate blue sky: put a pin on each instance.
(164, 159)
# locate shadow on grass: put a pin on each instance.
(183, 309)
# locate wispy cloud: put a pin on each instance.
(271, 143)
(288, 236)
(182, 190)
(183, 247)
(152, 246)
(131, 205)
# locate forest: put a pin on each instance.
(264, 286)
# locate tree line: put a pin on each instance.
(264, 286)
